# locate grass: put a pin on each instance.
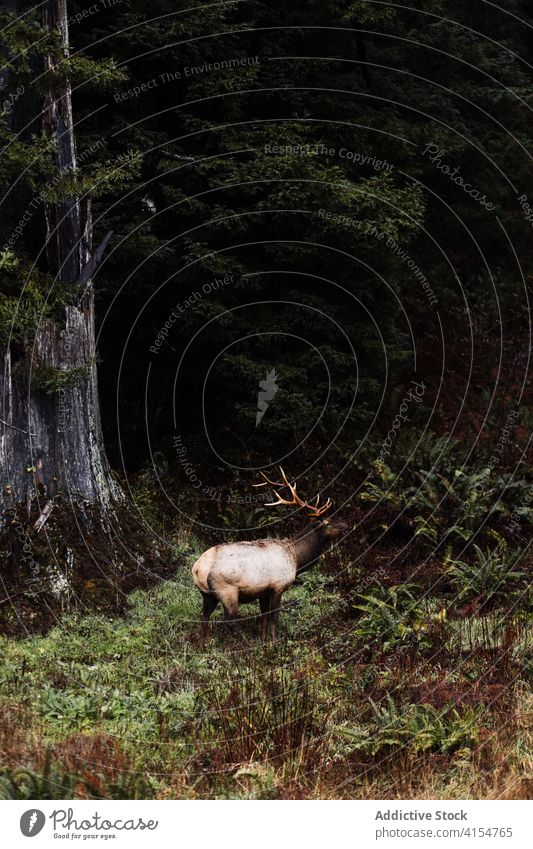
(141, 706)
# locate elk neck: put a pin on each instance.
(307, 547)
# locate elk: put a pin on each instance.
(262, 570)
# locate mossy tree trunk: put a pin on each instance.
(50, 433)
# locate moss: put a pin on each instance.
(27, 298)
(52, 379)
(20, 316)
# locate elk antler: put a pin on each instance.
(314, 510)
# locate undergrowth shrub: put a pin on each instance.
(489, 575)
(54, 781)
(268, 715)
(445, 504)
(417, 727)
(393, 616)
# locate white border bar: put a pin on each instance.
(272, 824)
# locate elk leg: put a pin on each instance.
(264, 605)
(275, 603)
(210, 602)
(230, 603)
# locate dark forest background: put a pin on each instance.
(182, 174)
(241, 211)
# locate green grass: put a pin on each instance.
(141, 705)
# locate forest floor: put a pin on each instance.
(386, 682)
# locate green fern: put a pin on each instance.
(420, 728)
(489, 575)
(393, 616)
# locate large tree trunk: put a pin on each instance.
(50, 438)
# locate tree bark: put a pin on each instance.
(51, 440)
